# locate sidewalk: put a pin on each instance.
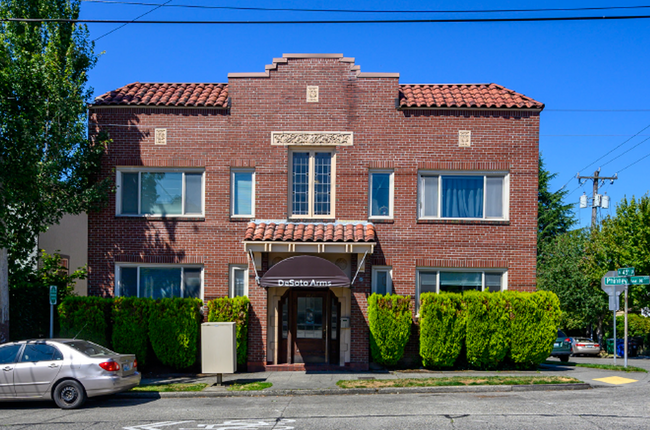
(324, 382)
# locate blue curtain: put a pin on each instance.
(462, 196)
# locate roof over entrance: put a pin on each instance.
(305, 271)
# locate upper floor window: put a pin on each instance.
(478, 196)
(158, 281)
(381, 194)
(312, 183)
(242, 192)
(164, 192)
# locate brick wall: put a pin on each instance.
(406, 141)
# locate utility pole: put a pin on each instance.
(597, 200)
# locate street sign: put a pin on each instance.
(53, 295)
(626, 271)
(616, 280)
(639, 280)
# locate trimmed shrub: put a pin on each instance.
(234, 309)
(87, 318)
(488, 329)
(442, 328)
(534, 318)
(389, 320)
(131, 326)
(174, 330)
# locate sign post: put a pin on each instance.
(53, 291)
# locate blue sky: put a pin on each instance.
(593, 76)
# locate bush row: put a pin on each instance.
(480, 329)
(133, 325)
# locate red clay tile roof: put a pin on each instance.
(310, 232)
(464, 96)
(162, 94)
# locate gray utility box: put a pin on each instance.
(219, 347)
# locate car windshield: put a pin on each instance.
(89, 348)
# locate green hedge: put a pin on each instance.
(389, 320)
(233, 310)
(442, 328)
(487, 338)
(131, 326)
(534, 320)
(174, 331)
(87, 318)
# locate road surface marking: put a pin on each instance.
(155, 426)
(616, 380)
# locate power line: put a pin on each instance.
(124, 25)
(364, 11)
(620, 155)
(632, 164)
(373, 21)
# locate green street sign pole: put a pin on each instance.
(53, 291)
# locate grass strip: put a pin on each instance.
(618, 367)
(167, 388)
(253, 386)
(457, 380)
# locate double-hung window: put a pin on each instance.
(467, 195)
(158, 281)
(381, 194)
(238, 280)
(458, 281)
(382, 279)
(311, 184)
(164, 192)
(242, 192)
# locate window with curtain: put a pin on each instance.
(238, 280)
(458, 281)
(382, 280)
(311, 183)
(462, 196)
(243, 192)
(158, 281)
(160, 193)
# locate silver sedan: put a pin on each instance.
(582, 345)
(64, 370)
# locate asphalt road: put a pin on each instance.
(615, 407)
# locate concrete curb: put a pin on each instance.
(358, 391)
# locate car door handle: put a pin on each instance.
(53, 365)
(7, 368)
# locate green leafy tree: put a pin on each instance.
(554, 217)
(623, 240)
(48, 164)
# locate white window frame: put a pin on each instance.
(391, 194)
(231, 279)
(389, 278)
(120, 266)
(310, 203)
(485, 175)
(232, 192)
(419, 270)
(140, 170)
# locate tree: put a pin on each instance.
(563, 269)
(623, 241)
(48, 164)
(554, 217)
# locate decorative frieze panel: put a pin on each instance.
(312, 94)
(464, 138)
(312, 138)
(161, 136)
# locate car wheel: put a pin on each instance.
(69, 394)
(564, 358)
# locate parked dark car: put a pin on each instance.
(562, 347)
(67, 371)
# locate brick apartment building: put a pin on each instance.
(309, 186)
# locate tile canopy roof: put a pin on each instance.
(166, 94)
(491, 96)
(461, 96)
(310, 232)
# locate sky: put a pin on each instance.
(593, 76)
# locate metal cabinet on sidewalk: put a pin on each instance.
(219, 347)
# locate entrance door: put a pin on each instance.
(309, 330)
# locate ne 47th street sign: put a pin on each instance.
(626, 271)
